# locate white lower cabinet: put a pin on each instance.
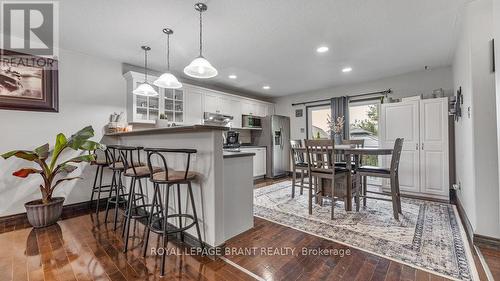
(259, 160)
(424, 164)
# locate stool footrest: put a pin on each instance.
(138, 213)
(159, 221)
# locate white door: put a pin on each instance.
(434, 171)
(401, 120)
(193, 107)
(212, 103)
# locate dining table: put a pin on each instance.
(352, 152)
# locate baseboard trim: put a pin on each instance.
(69, 210)
(424, 198)
(483, 241)
(465, 221)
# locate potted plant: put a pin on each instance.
(47, 210)
(337, 127)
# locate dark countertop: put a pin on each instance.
(252, 146)
(228, 154)
(170, 130)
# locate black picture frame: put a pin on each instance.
(49, 102)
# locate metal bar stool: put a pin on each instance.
(101, 162)
(166, 179)
(117, 188)
(136, 170)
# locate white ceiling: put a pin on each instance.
(270, 42)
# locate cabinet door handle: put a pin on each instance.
(416, 146)
(422, 146)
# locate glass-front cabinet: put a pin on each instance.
(146, 108)
(174, 105)
(168, 104)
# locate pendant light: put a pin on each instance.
(200, 67)
(145, 89)
(168, 80)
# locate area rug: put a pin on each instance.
(427, 236)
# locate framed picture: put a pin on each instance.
(28, 82)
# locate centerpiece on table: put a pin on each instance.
(47, 210)
(337, 127)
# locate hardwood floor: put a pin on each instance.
(82, 247)
(492, 259)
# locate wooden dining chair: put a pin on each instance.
(353, 143)
(392, 174)
(321, 164)
(299, 165)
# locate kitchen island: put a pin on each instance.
(224, 191)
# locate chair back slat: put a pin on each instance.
(297, 157)
(396, 155)
(320, 155)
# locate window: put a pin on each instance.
(317, 126)
(363, 124)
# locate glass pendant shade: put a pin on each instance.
(200, 68)
(145, 90)
(168, 81)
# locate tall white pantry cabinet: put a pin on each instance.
(424, 165)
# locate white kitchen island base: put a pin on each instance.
(223, 192)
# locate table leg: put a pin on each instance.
(348, 197)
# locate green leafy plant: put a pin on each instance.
(50, 169)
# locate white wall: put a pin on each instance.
(476, 135)
(405, 85)
(496, 24)
(90, 89)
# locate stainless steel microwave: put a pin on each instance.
(250, 121)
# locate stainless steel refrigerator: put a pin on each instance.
(275, 135)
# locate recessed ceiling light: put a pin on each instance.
(266, 87)
(322, 49)
(347, 69)
(232, 76)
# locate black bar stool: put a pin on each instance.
(117, 188)
(136, 170)
(100, 162)
(166, 179)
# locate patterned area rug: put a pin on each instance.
(428, 235)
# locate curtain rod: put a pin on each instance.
(384, 92)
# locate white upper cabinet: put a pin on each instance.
(142, 109)
(188, 104)
(193, 105)
(232, 106)
(213, 103)
(254, 108)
